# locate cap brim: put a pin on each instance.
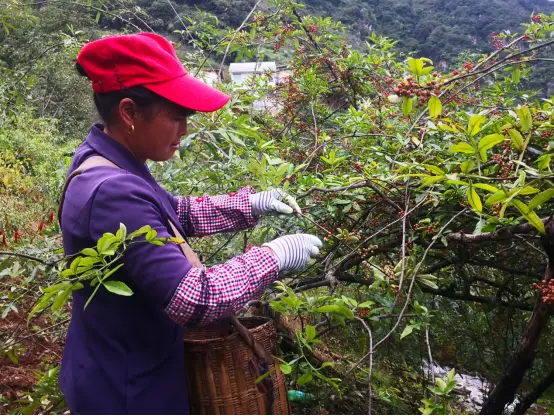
(191, 93)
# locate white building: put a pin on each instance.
(241, 71)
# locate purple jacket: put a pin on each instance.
(123, 354)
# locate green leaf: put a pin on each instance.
(55, 288)
(490, 141)
(435, 106)
(457, 182)
(525, 119)
(264, 375)
(541, 198)
(486, 187)
(441, 384)
(366, 304)
(430, 180)
(150, 235)
(467, 165)
(474, 125)
(119, 288)
(496, 198)
(528, 190)
(122, 232)
(407, 331)
(61, 299)
(517, 139)
(462, 147)
(285, 368)
(543, 162)
(304, 379)
(328, 364)
(104, 244)
(427, 282)
(328, 308)
(530, 215)
(344, 311)
(516, 75)
(89, 252)
(451, 374)
(434, 169)
(75, 264)
(142, 230)
(415, 65)
(310, 332)
(407, 104)
(474, 199)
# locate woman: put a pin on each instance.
(125, 354)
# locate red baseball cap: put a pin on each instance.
(149, 60)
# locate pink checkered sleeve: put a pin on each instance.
(207, 215)
(204, 296)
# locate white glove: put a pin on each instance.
(293, 251)
(269, 202)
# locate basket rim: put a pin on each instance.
(267, 323)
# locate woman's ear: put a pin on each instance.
(127, 112)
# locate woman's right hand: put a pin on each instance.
(294, 251)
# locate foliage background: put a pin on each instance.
(409, 191)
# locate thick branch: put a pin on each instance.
(504, 233)
(498, 266)
(360, 184)
(26, 256)
(450, 294)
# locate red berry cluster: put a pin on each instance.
(536, 18)
(389, 271)
(313, 29)
(468, 66)
(409, 88)
(281, 36)
(503, 160)
(545, 135)
(364, 252)
(546, 289)
(362, 313)
(497, 43)
(259, 18)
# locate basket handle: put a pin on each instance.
(247, 337)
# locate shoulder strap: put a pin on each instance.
(96, 161)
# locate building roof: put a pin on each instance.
(242, 67)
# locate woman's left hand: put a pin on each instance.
(275, 201)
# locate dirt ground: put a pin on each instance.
(36, 349)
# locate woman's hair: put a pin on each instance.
(145, 99)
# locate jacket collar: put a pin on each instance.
(115, 152)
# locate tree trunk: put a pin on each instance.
(528, 400)
(505, 390)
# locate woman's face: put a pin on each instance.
(157, 136)
(154, 134)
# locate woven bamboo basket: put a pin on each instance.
(221, 371)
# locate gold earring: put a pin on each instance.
(132, 129)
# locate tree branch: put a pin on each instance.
(504, 233)
(26, 256)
